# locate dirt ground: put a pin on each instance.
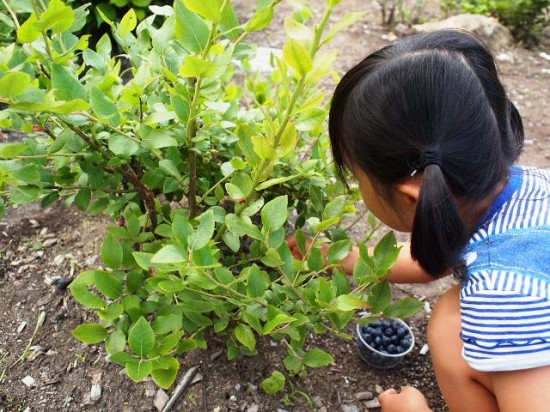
(39, 246)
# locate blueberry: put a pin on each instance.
(367, 338)
(392, 349)
(386, 340)
(402, 332)
(406, 342)
(365, 330)
(399, 349)
(395, 339)
(377, 340)
(388, 331)
(374, 325)
(384, 351)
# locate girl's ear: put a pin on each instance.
(408, 192)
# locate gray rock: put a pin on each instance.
(372, 404)
(364, 396)
(161, 399)
(350, 408)
(317, 401)
(488, 29)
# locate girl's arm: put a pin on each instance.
(405, 270)
(523, 390)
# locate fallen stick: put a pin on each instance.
(186, 380)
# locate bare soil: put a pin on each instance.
(39, 246)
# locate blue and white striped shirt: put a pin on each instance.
(505, 296)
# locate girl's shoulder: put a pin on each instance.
(523, 204)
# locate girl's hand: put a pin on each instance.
(293, 245)
(409, 400)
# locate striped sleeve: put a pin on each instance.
(506, 322)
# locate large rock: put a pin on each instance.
(488, 29)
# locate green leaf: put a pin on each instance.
(257, 283)
(317, 358)
(165, 371)
(275, 181)
(29, 173)
(122, 358)
(11, 150)
(169, 254)
(156, 138)
(107, 284)
(315, 261)
(338, 251)
(297, 56)
(311, 119)
(122, 146)
(275, 383)
(334, 208)
(127, 23)
(13, 84)
(245, 335)
(209, 9)
(104, 107)
(137, 371)
(85, 297)
(191, 30)
(278, 320)
(379, 297)
(274, 213)
(66, 84)
(115, 342)
(261, 19)
(168, 167)
(403, 308)
(111, 253)
(293, 363)
(348, 303)
(29, 31)
(141, 338)
(166, 324)
(57, 17)
(90, 333)
(24, 194)
(196, 67)
(386, 253)
(204, 232)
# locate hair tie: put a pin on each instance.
(429, 157)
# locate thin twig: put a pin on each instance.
(185, 382)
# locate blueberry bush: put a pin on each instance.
(205, 166)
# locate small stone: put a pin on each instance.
(378, 389)
(95, 393)
(198, 377)
(91, 260)
(317, 401)
(29, 381)
(350, 408)
(372, 404)
(150, 389)
(424, 349)
(161, 399)
(364, 396)
(21, 327)
(34, 223)
(27, 409)
(322, 409)
(216, 409)
(43, 231)
(545, 56)
(58, 260)
(49, 242)
(40, 253)
(253, 408)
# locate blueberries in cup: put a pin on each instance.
(386, 336)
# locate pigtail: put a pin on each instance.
(516, 126)
(439, 233)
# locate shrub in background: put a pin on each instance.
(200, 168)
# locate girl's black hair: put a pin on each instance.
(434, 94)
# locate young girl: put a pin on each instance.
(427, 129)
